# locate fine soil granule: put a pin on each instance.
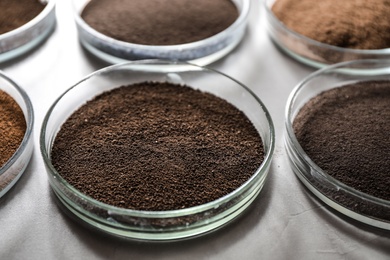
(356, 24)
(160, 22)
(157, 146)
(15, 13)
(345, 131)
(12, 127)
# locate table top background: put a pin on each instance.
(284, 222)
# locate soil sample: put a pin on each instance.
(345, 131)
(12, 130)
(157, 146)
(15, 13)
(356, 24)
(160, 22)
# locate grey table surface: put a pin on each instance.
(284, 222)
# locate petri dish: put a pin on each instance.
(11, 171)
(309, 51)
(29, 35)
(347, 200)
(169, 224)
(200, 52)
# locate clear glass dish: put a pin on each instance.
(157, 225)
(200, 52)
(350, 202)
(311, 52)
(11, 171)
(29, 35)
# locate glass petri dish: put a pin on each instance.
(309, 51)
(11, 171)
(341, 197)
(29, 35)
(200, 52)
(157, 225)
